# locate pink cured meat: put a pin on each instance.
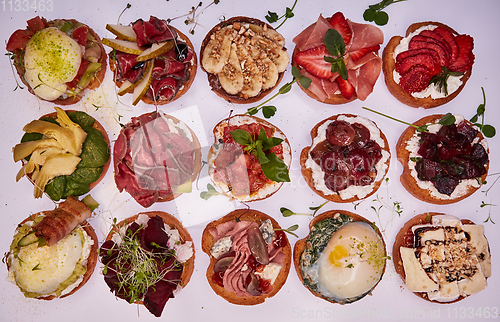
(154, 30)
(151, 162)
(234, 279)
(364, 36)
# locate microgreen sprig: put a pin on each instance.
(447, 119)
(12, 57)
(290, 230)
(268, 110)
(335, 45)
(123, 11)
(288, 213)
(272, 17)
(374, 12)
(483, 204)
(211, 192)
(192, 16)
(273, 167)
(488, 130)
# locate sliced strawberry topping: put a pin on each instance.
(424, 59)
(313, 61)
(346, 89)
(36, 24)
(416, 79)
(355, 55)
(437, 38)
(465, 58)
(412, 52)
(450, 39)
(80, 35)
(339, 23)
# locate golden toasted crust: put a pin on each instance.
(208, 241)
(397, 91)
(98, 126)
(174, 223)
(409, 182)
(307, 173)
(334, 100)
(218, 132)
(236, 99)
(400, 241)
(192, 73)
(300, 245)
(91, 260)
(96, 82)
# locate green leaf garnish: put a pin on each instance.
(273, 17)
(441, 79)
(488, 130)
(336, 47)
(318, 208)
(37, 267)
(211, 192)
(374, 12)
(290, 230)
(287, 212)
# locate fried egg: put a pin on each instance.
(51, 59)
(51, 270)
(352, 262)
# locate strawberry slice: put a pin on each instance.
(416, 79)
(339, 23)
(427, 60)
(346, 88)
(450, 39)
(465, 57)
(357, 54)
(313, 61)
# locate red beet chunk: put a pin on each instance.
(446, 185)
(478, 154)
(429, 150)
(427, 169)
(468, 130)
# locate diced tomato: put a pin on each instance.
(81, 71)
(19, 39)
(36, 24)
(80, 35)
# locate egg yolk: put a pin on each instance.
(337, 254)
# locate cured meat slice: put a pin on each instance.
(152, 31)
(313, 36)
(364, 35)
(80, 35)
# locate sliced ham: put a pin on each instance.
(364, 35)
(313, 36)
(153, 31)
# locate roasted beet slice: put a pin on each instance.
(446, 185)
(446, 152)
(427, 169)
(449, 134)
(340, 133)
(429, 150)
(158, 295)
(478, 154)
(468, 130)
(154, 238)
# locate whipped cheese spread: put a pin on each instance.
(350, 191)
(454, 82)
(462, 188)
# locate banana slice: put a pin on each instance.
(274, 51)
(252, 75)
(231, 76)
(270, 73)
(216, 52)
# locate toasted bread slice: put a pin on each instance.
(410, 182)
(397, 91)
(213, 79)
(219, 132)
(91, 260)
(174, 223)
(308, 175)
(404, 238)
(301, 244)
(207, 242)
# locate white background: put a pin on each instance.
(297, 114)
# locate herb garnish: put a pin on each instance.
(211, 192)
(335, 45)
(287, 212)
(268, 110)
(273, 16)
(290, 230)
(12, 57)
(273, 167)
(192, 16)
(124, 9)
(447, 119)
(374, 12)
(441, 79)
(36, 268)
(488, 130)
(483, 204)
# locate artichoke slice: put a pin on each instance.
(55, 165)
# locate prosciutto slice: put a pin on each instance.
(363, 72)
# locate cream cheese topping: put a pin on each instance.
(350, 191)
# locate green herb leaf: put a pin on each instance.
(242, 137)
(375, 13)
(369, 14)
(488, 131)
(268, 143)
(286, 212)
(474, 119)
(211, 192)
(268, 111)
(275, 170)
(447, 119)
(272, 17)
(285, 88)
(289, 13)
(334, 43)
(381, 18)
